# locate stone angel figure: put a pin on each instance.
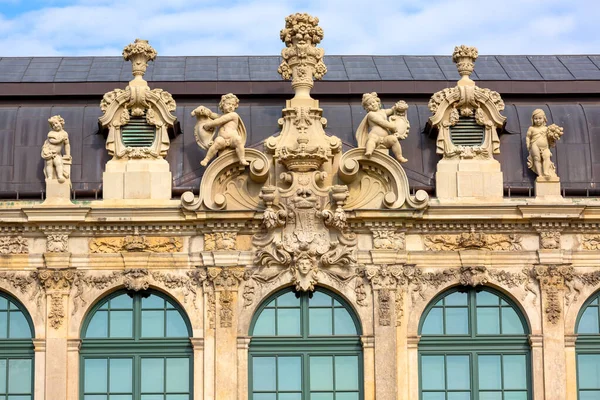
(378, 131)
(56, 164)
(540, 139)
(231, 132)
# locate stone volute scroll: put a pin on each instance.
(138, 121)
(466, 118)
(56, 153)
(539, 140)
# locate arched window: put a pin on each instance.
(474, 346)
(16, 350)
(588, 349)
(305, 346)
(135, 345)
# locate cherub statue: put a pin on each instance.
(540, 139)
(52, 150)
(376, 130)
(231, 132)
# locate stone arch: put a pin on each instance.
(575, 308)
(34, 313)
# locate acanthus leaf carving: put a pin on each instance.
(219, 241)
(57, 243)
(13, 245)
(473, 240)
(386, 239)
(136, 243)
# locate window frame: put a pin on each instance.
(586, 343)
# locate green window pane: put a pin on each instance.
(588, 371)
(2, 376)
(121, 324)
(288, 299)
(321, 396)
(3, 324)
(434, 395)
(488, 321)
(94, 397)
(289, 373)
(264, 371)
(264, 396)
(153, 397)
(346, 373)
(434, 323)
(96, 373)
(518, 396)
(343, 323)
(178, 375)
(591, 395)
(456, 299)
(320, 321)
(19, 397)
(458, 370)
(153, 323)
(265, 324)
(459, 396)
(153, 375)
(178, 397)
(457, 321)
(176, 325)
(433, 373)
(346, 396)
(19, 328)
(291, 396)
(3, 303)
(288, 321)
(321, 373)
(121, 370)
(511, 323)
(120, 397)
(515, 372)
(484, 298)
(490, 374)
(589, 321)
(153, 301)
(490, 395)
(320, 299)
(121, 301)
(98, 326)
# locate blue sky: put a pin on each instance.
(251, 27)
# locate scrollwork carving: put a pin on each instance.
(135, 243)
(472, 240)
(219, 241)
(13, 245)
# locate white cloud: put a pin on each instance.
(251, 27)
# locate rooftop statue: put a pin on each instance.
(540, 139)
(57, 165)
(231, 131)
(378, 131)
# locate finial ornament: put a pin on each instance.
(540, 139)
(302, 60)
(139, 53)
(464, 57)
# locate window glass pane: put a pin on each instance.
(119, 397)
(346, 373)
(120, 375)
(289, 373)
(517, 396)
(265, 325)
(288, 321)
(178, 397)
(457, 321)
(153, 323)
(489, 372)
(153, 301)
(94, 397)
(434, 396)
(3, 324)
(432, 372)
(511, 324)
(433, 323)
(488, 321)
(589, 321)
(3, 303)
(588, 371)
(98, 326)
(21, 397)
(291, 396)
(95, 374)
(459, 395)
(288, 300)
(346, 396)
(456, 299)
(121, 301)
(264, 396)
(176, 326)
(321, 373)
(153, 375)
(153, 397)
(121, 324)
(343, 323)
(515, 373)
(19, 328)
(320, 300)
(591, 395)
(321, 396)
(263, 373)
(458, 370)
(320, 321)
(484, 298)
(178, 375)
(490, 395)
(2, 376)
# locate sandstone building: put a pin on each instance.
(405, 228)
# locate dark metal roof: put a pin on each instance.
(341, 68)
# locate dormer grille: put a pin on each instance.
(467, 132)
(138, 133)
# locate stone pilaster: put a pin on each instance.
(571, 367)
(368, 343)
(413, 360)
(39, 348)
(73, 347)
(537, 362)
(198, 347)
(243, 343)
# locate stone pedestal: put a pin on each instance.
(137, 179)
(463, 179)
(57, 193)
(547, 188)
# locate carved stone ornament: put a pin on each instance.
(473, 241)
(388, 240)
(134, 243)
(13, 245)
(553, 281)
(57, 243)
(137, 104)
(226, 312)
(470, 102)
(550, 240)
(57, 166)
(56, 283)
(540, 139)
(385, 307)
(219, 241)
(590, 241)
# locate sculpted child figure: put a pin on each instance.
(540, 138)
(376, 130)
(231, 133)
(52, 150)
